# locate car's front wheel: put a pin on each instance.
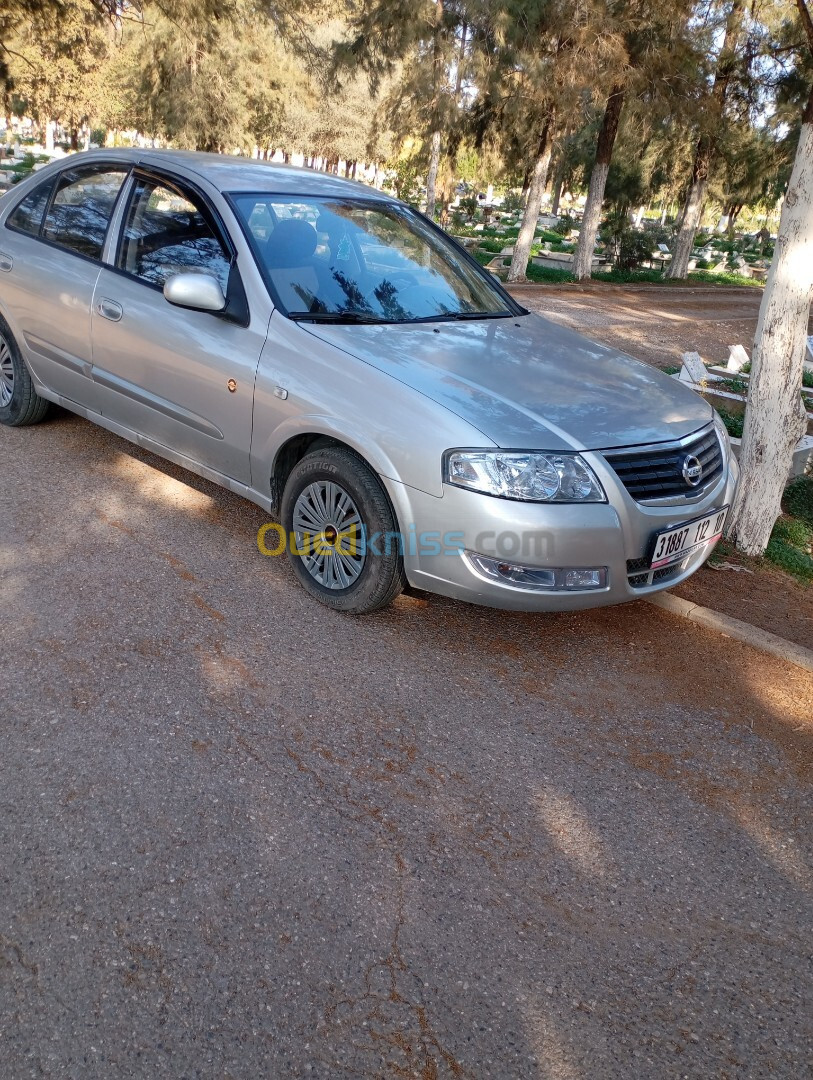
(343, 542)
(20, 403)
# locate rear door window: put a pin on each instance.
(81, 208)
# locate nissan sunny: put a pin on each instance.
(330, 354)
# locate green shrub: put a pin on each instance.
(798, 499)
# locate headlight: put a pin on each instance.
(532, 477)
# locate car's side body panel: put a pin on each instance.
(46, 298)
(166, 371)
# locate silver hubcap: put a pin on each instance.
(6, 374)
(329, 535)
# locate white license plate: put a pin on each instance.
(672, 545)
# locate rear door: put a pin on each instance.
(50, 257)
(183, 378)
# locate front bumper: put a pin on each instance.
(616, 535)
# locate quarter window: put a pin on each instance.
(167, 233)
(81, 209)
(27, 216)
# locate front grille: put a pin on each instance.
(657, 473)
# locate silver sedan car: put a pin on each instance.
(330, 354)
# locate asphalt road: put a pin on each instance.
(244, 837)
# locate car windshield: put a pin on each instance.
(359, 260)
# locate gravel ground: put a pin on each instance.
(244, 836)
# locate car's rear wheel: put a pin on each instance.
(343, 542)
(20, 403)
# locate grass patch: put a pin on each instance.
(483, 257)
(733, 423)
(548, 274)
(670, 369)
(733, 385)
(494, 246)
(724, 278)
(788, 557)
(630, 277)
(798, 499)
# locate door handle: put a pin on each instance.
(6, 262)
(109, 309)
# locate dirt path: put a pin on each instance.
(652, 322)
(246, 836)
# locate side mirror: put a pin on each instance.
(201, 292)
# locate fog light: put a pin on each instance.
(534, 577)
(526, 577)
(585, 579)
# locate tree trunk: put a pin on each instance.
(557, 194)
(774, 415)
(733, 213)
(722, 224)
(50, 128)
(706, 146)
(438, 75)
(432, 176)
(678, 268)
(539, 176)
(526, 185)
(583, 259)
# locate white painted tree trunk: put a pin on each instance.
(692, 211)
(50, 128)
(774, 415)
(591, 217)
(530, 217)
(432, 175)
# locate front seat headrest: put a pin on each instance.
(292, 243)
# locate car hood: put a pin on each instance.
(527, 383)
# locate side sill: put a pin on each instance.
(160, 450)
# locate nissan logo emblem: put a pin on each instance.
(692, 470)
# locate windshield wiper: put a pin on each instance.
(463, 316)
(334, 317)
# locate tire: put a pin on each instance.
(20, 404)
(332, 495)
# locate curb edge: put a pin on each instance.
(734, 628)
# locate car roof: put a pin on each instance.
(231, 173)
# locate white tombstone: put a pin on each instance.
(693, 369)
(737, 358)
